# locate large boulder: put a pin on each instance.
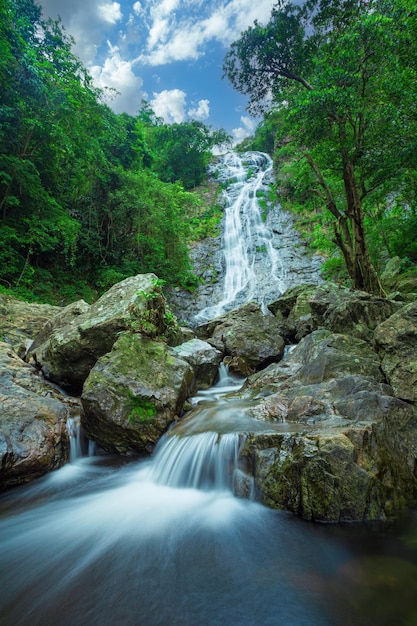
(71, 345)
(337, 445)
(247, 338)
(354, 313)
(203, 358)
(20, 322)
(134, 393)
(396, 341)
(33, 422)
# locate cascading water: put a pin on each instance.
(258, 241)
(164, 542)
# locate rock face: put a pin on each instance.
(248, 339)
(396, 341)
(70, 346)
(33, 434)
(351, 448)
(134, 393)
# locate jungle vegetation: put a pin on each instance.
(335, 82)
(87, 197)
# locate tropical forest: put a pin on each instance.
(208, 338)
(89, 197)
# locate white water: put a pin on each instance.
(164, 542)
(249, 254)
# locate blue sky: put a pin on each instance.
(169, 52)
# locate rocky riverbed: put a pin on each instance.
(330, 390)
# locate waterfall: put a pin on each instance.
(246, 241)
(202, 461)
(79, 446)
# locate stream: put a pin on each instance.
(163, 541)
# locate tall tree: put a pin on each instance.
(345, 121)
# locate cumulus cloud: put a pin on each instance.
(170, 105)
(246, 130)
(137, 8)
(175, 37)
(201, 112)
(118, 75)
(110, 12)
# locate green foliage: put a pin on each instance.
(342, 124)
(87, 197)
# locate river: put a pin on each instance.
(109, 541)
(164, 542)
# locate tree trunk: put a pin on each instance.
(363, 272)
(349, 230)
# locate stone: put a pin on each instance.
(347, 446)
(33, 422)
(203, 358)
(396, 342)
(355, 313)
(134, 393)
(68, 353)
(247, 338)
(20, 322)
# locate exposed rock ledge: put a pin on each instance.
(335, 420)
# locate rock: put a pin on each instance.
(74, 344)
(33, 432)
(20, 321)
(396, 341)
(134, 393)
(347, 446)
(355, 313)
(203, 358)
(66, 316)
(285, 304)
(392, 269)
(248, 339)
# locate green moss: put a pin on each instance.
(141, 409)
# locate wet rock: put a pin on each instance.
(356, 313)
(348, 446)
(75, 342)
(134, 393)
(33, 416)
(203, 358)
(20, 321)
(248, 339)
(396, 341)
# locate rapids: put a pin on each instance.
(164, 542)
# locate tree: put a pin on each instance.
(264, 59)
(181, 152)
(348, 127)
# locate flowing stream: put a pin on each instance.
(163, 541)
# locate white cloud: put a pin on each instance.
(170, 105)
(110, 12)
(178, 38)
(118, 74)
(137, 8)
(201, 112)
(246, 130)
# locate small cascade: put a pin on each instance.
(203, 461)
(80, 446)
